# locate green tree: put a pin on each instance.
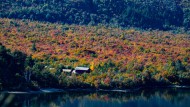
(34, 47)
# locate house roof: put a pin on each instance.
(66, 70)
(82, 68)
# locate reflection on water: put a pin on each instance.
(143, 98)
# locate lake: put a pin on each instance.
(170, 97)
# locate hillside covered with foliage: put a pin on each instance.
(123, 58)
(153, 14)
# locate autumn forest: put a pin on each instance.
(123, 50)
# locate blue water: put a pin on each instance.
(143, 98)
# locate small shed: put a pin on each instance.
(67, 71)
(81, 70)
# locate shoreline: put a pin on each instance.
(57, 90)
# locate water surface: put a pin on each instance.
(143, 98)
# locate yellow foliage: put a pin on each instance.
(52, 71)
(131, 31)
(92, 66)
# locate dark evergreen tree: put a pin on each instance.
(155, 14)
